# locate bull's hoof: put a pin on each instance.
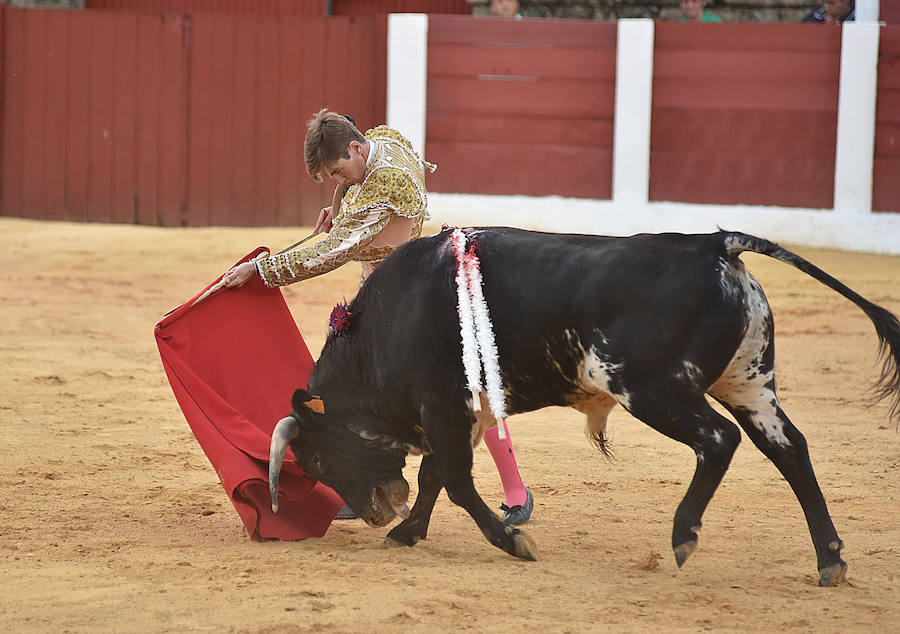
(684, 551)
(833, 575)
(390, 542)
(525, 548)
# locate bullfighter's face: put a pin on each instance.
(366, 472)
(351, 169)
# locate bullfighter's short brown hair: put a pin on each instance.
(328, 136)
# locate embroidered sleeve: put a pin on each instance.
(345, 242)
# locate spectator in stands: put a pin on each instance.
(695, 11)
(833, 12)
(505, 9)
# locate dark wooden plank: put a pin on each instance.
(889, 73)
(55, 114)
(887, 141)
(886, 185)
(557, 63)
(775, 65)
(522, 168)
(222, 175)
(309, 7)
(35, 146)
(790, 180)
(889, 39)
(268, 137)
(147, 138)
(743, 36)
(2, 117)
(172, 66)
(528, 33)
(368, 7)
(244, 149)
(560, 97)
(201, 133)
(887, 106)
(465, 126)
(748, 94)
(78, 140)
(378, 76)
(886, 169)
(314, 81)
(124, 118)
(755, 132)
(296, 38)
(13, 110)
(100, 122)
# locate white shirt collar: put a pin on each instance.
(371, 156)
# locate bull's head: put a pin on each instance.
(366, 472)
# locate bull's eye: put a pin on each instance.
(315, 461)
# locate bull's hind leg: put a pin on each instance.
(690, 419)
(756, 409)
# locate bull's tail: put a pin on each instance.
(886, 324)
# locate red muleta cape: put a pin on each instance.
(233, 361)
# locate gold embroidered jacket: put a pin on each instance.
(394, 184)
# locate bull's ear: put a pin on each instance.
(316, 404)
(302, 399)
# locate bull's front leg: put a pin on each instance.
(415, 527)
(515, 541)
(450, 439)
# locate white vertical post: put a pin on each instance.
(634, 92)
(867, 10)
(407, 75)
(854, 155)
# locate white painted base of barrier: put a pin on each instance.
(869, 232)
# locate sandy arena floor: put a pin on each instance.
(114, 521)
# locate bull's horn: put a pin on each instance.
(285, 431)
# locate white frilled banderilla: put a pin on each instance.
(477, 332)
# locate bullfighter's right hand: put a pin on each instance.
(324, 221)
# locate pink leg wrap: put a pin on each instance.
(505, 459)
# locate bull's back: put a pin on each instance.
(555, 298)
(644, 284)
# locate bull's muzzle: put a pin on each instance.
(388, 501)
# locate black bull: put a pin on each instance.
(651, 322)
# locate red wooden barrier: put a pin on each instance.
(169, 119)
(744, 114)
(889, 12)
(303, 7)
(199, 119)
(521, 107)
(255, 83)
(886, 176)
(2, 100)
(369, 7)
(93, 115)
